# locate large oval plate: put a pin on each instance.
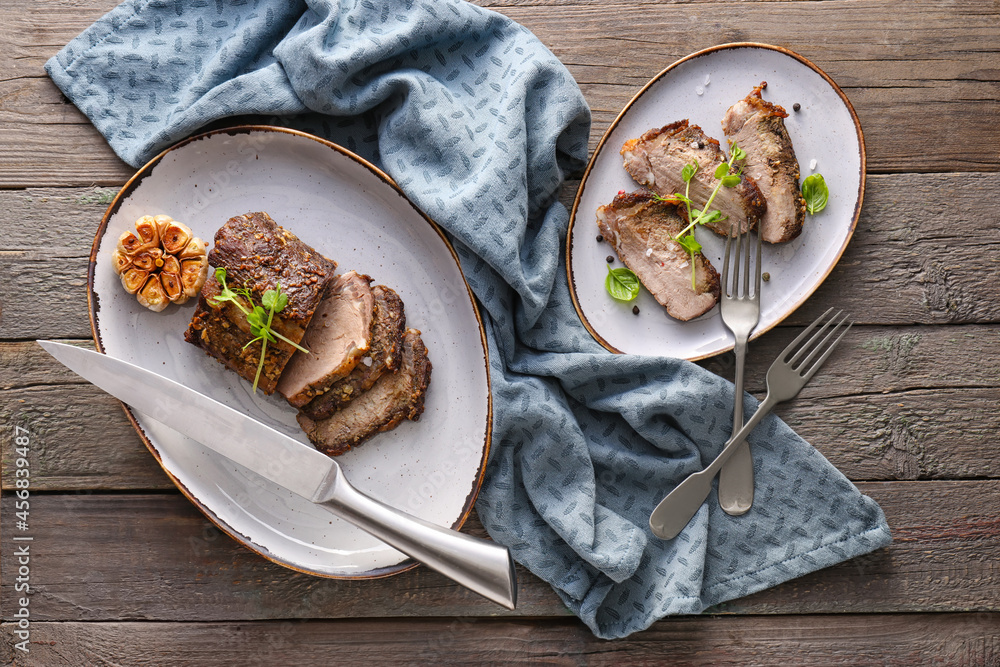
(353, 213)
(701, 87)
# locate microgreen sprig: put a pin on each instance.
(259, 319)
(703, 215)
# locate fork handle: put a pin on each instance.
(676, 510)
(736, 477)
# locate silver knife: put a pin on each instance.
(479, 565)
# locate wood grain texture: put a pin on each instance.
(923, 105)
(155, 557)
(957, 640)
(903, 265)
(44, 254)
(125, 570)
(893, 403)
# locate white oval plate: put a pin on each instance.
(701, 87)
(354, 214)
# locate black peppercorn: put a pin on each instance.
(796, 106)
(600, 237)
(635, 310)
(610, 258)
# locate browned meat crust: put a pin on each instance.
(393, 398)
(371, 384)
(657, 158)
(758, 127)
(388, 327)
(258, 254)
(337, 339)
(223, 332)
(642, 230)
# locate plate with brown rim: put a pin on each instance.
(827, 138)
(353, 213)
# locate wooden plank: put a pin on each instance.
(906, 435)
(155, 557)
(47, 234)
(893, 403)
(81, 441)
(28, 278)
(901, 70)
(958, 640)
(903, 266)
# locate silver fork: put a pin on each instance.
(740, 313)
(793, 368)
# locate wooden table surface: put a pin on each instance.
(125, 571)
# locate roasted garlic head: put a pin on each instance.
(161, 262)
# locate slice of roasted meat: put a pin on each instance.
(642, 230)
(258, 255)
(758, 127)
(337, 338)
(393, 398)
(388, 327)
(657, 158)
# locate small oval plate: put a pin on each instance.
(701, 87)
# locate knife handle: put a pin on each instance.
(480, 565)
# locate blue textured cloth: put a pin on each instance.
(479, 124)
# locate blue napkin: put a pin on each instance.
(479, 124)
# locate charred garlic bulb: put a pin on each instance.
(160, 262)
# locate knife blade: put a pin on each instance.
(481, 566)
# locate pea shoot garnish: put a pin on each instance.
(703, 215)
(260, 318)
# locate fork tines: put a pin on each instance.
(801, 352)
(741, 257)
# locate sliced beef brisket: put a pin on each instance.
(642, 230)
(393, 398)
(258, 255)
(758, 127)
(337, 339)
(657, 158)
(388, 326)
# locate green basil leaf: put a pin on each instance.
(722, 170)
(702, 218)
(736, 152)
(268, 300)
(730, 180)
(815, 192)
(621, 284)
